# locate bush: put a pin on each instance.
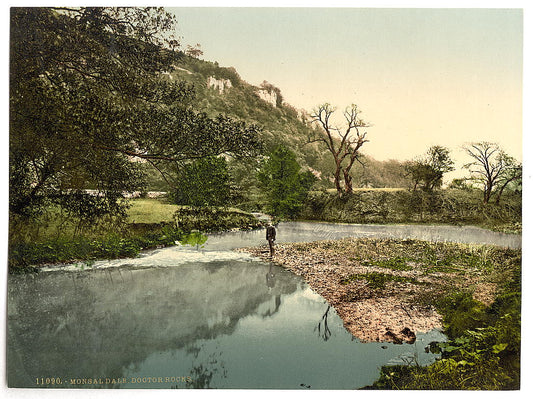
(461, 313)
(284, 185)
(483, 352)
(452, 206)
(203, 182)
(207, 219)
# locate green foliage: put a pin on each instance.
(446, 374)
(396, 263)
(204, 182)
(109, 246)
(207, 219)
(377, 281)
(428, 171)
(245, 191)
(454, 206)
(152, 224)
(194, 239)
(483, 352)
(78, 115)
(284, 185)
(461, 313)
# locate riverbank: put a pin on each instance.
(458, 207)
(388, 290)
(151, 224)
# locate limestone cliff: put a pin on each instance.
(270, 97)
(218, 84)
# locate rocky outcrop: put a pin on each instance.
(269, 96)
(218, 84)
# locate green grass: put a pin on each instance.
(150, 223)
(151, 210)
(395, 263)
(483, 350)
(54, 225)
(378, 280)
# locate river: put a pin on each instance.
(199, 317)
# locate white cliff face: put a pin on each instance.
(218, 84)
(269, 97)
(303, 115)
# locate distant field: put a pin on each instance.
(153, 210)
(150, 210)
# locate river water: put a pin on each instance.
(187, 317)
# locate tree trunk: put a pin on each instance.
(500, 191)
(348, 188)
(337, 177)
(487, 194)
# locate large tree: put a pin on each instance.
(492, 168)
(88, 96)
(427, 171)
(284, 185)
(343, 144)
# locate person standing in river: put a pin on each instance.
(271, 237)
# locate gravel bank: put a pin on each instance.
(393, 311)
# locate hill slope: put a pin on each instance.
(221, 90)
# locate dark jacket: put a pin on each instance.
(271, 233)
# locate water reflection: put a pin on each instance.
(220, 324)
(323, 330)
(201, 375)
(96, 322)
(203, 317)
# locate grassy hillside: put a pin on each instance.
(221, 90)
(280, 122)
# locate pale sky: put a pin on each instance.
(420, 76)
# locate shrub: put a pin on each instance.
(208, 219)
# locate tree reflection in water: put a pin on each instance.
(202, 374)
(323, 330)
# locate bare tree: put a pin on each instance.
(513, 173)
(492, 167)
(343, 144)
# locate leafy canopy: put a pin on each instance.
(204, 182)
(89, 97)
(285, 187)
(428, 171)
